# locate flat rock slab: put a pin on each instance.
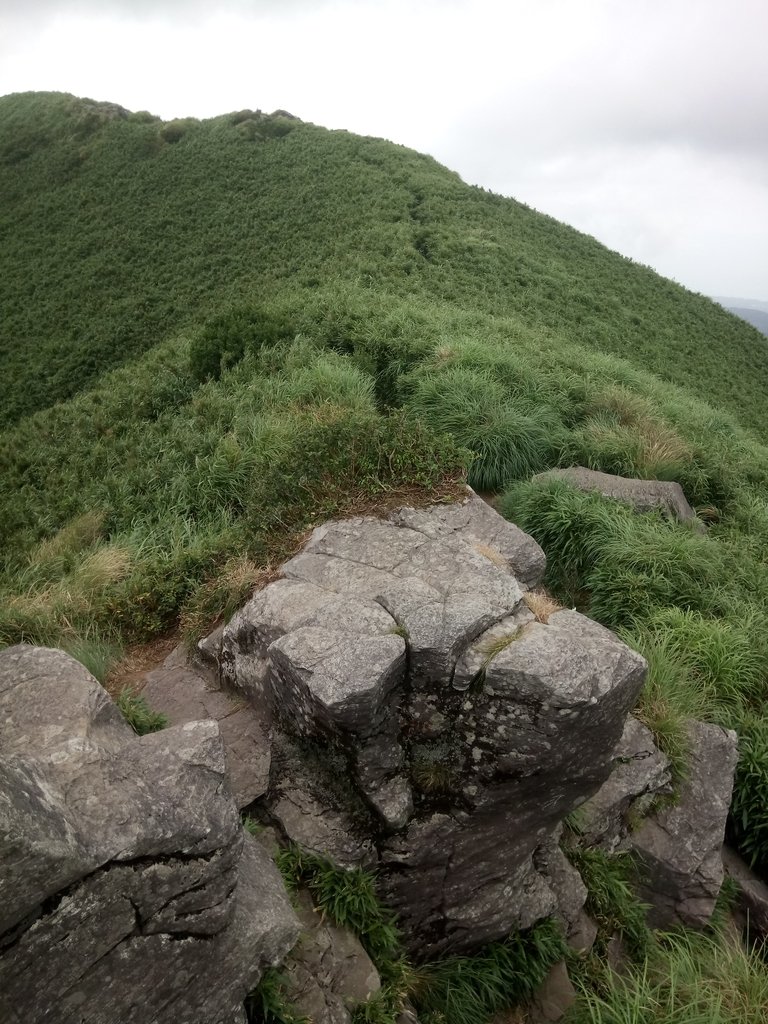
(643, 495)
(480, 525)
(181, 693)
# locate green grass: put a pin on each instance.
(611, 901)
(503, 975)
(138, 714)
(217, 334)
(456, 990)
(689, 979)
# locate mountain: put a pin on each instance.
(218, 334)
(757, 317)
(119, 231)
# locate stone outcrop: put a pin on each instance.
(423, 721)
(640, 774)
(328, 973)
(663, 496)
(679, 847)
(752, 908)
(128, 890)
(185, 695)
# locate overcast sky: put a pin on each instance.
(642, 122)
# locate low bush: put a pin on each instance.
(229, 335)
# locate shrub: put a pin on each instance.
(508, 442)
(225, 339)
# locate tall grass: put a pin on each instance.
(689, 979)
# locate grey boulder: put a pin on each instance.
(643, 495)
(680, 847)
(127, 891)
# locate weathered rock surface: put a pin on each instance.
(643, 495)
(554, 998)
(126, 891)
(680, 846)
(184, 695)
(640, 773)
(753, 894)
(445, 732)
(477, 523)
(328, 972)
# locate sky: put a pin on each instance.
(641, 122)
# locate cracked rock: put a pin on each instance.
(462, 730)
(126, 892)
(680, 846)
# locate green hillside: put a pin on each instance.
(216, 334)
(118, 231)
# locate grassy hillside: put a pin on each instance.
(216, 334)
(118, 230)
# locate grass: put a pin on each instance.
(456, 990)
(689, 979)
(611, 901)
(138, 714)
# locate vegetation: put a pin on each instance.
(138, 713)
(456, 990)
(688, 978)
(219, 333)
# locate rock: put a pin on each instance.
(554, 998)
(127, 892)
(327, 681)
(753, 894)
(643, 495)
(183, 695)
(206, 657)
(460, 731)
(328, 972)
(640, 772)
(568, 888)
(315, 805)
(492, 536)
(582, 933)
(440, 591)
(680, 846)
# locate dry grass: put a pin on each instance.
(78, 534)
(494, 647)
(129, 672)
(492, 555)
(105, 566)
(541, 604)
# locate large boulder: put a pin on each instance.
(663, 496)
(439, 732)
(679, 847)
(127, 891)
